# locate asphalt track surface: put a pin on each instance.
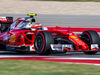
(67, 54)
(64, 20)
(60, 20)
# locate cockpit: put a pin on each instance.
(25, 24)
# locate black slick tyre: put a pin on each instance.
(90, 37)
(42, 42)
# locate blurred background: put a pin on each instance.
(75, 13)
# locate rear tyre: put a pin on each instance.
(90, 37)
(42, 42)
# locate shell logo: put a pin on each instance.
(73, 37)
(30, 24)
(13, 38)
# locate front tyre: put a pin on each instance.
(90, 37)
(42, 42)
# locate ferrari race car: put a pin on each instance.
(25, 35)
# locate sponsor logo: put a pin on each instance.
(3, 18)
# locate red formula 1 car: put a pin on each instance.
(24, 35)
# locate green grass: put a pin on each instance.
(73, 0)
(20, 67)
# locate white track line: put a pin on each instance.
(81, 63)
(50, 57)
(75, 58)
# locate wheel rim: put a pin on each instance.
(39, 42)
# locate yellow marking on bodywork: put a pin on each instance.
(17, 22)
(13, 38)
(79, 41)
(73, 37)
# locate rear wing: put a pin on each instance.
(6, 20)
